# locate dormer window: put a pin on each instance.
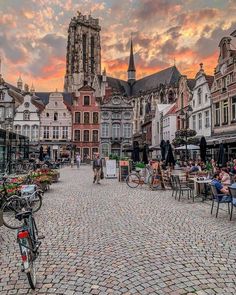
(86, 100)
(26, 115)
(26, 104)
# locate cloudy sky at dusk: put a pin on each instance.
(33, 36)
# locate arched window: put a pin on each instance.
(105, 150)
(55, 116)
(92, 54)
(141, 108)
(162, 97)
(199, 93)
(84, 41)
(26, 116)
(34, 133)
(224, 51)
(26, 130)
(17, 129)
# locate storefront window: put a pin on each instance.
(105, 150)
(217, 114)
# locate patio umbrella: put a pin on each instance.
(170, 157)
(41, 153)
(49, 151)
(203, 147)
(145, 156)
(163, 149)
(221, 156)
(189, 147)
(135, 153)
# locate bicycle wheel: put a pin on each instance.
(154, 182)
(35, 201)
(9, 208)
(31, 272)
(132, 180)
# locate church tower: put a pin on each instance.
(131, 69)
(83, 60)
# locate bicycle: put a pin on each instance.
(147, 176)
(28, 240)
(29, 196)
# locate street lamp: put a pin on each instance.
(185, 115)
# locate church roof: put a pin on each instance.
(191, 83)
(120, 85)
(44, 96)
(210, 80)
(167, 76)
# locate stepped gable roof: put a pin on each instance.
(167, 76)
(172, 110)
(191, 83)
(44, 96)
(209, 80)
(120, 86)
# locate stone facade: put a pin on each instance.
(86, 117)
(83, 60)
(56, 123)
(200, 120)
(116, 126)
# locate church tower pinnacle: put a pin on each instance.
(131, 69)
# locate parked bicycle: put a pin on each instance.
(144, 176)
(28, 240)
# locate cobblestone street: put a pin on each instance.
(110, 239)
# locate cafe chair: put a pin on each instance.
(219, 199)
(232, 193)
(173, 186)
(183, 187)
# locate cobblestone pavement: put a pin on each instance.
(111, 239)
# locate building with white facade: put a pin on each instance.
(27, 118)
(200, 119)
(159, 126)
(55, 125)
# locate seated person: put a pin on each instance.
(193, 168)
(221, 190)
(225, 177)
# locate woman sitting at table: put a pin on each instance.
(225, 177)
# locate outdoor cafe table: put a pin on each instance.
(197, 186)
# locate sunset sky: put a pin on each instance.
(33, 36)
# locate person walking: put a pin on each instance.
(97, 169)
(78, 160)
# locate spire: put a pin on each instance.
(131, 68)
(32, 89)
(20, 83)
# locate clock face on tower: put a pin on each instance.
(223, 69)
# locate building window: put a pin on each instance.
(200, 121)
(86, 118)
(86, 135)
(206, 97)
(55, 116)
(116, 130)
(105, 130)
(234, 108)
(207, 119)
(55, 132)
(199, 94)
(225, 112)
(47, 115)
(77, 117)
(194, 122)
(127, 130)
(84, 41)
(64, 132)
(217, 114)
(94, 151)
(86, 100)
(116, 116)
(92, 54)
(46, 132)
(105, 150)
(77, 135)
(141, 108)
(182, 101)
(26, 116)
(95, 135)
(95, 118)
(26, 104)
(34, 133)
(26, 131)
(18, 129)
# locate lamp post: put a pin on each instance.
(185, 115)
